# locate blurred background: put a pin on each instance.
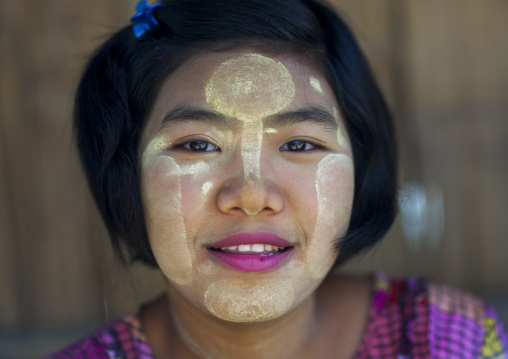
(441, 64)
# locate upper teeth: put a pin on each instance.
(253, 248)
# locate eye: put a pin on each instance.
(297, 146)
(200, 146)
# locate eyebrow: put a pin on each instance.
(182, 114)
(313, 114)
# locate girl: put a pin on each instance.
(243, 148)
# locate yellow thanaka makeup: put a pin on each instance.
(252, 140)
(270, 130)
(196, 198)
(316, 85)
(237, 300)
(173, 249)
(328, 193)
(195, 169)
(249, 88)
(155, 147)
(205, 188)
(341, 139)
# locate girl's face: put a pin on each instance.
(247, 181)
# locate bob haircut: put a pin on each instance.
(119, 85)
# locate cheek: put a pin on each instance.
(205, 190)
(334, 199)
(162, 193)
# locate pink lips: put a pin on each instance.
(251, 261)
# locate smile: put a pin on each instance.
(252, 249)
(252, 252)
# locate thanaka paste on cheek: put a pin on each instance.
(195, 169)
(329, 192)
(205, 188)
(162, 175)
(154, 148)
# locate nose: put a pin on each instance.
(251, 195)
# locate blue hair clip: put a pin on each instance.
(144, 21)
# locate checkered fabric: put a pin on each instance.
(409, 318)
(412, 318)
(122, 338)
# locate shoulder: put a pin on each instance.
(120, 338)
(420, 317)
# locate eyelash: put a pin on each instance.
(204, 146)
(304, 143)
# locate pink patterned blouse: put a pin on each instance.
(409, 318)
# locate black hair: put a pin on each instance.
(123, 77)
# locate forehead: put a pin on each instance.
(187, 86)
(188, 83)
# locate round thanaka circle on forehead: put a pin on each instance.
(250, 87)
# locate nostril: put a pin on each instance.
(251, 198)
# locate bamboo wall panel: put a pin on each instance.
(450, 100)
(50, 231)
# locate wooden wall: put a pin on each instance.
(442, 65)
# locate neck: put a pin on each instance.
(203, 336)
